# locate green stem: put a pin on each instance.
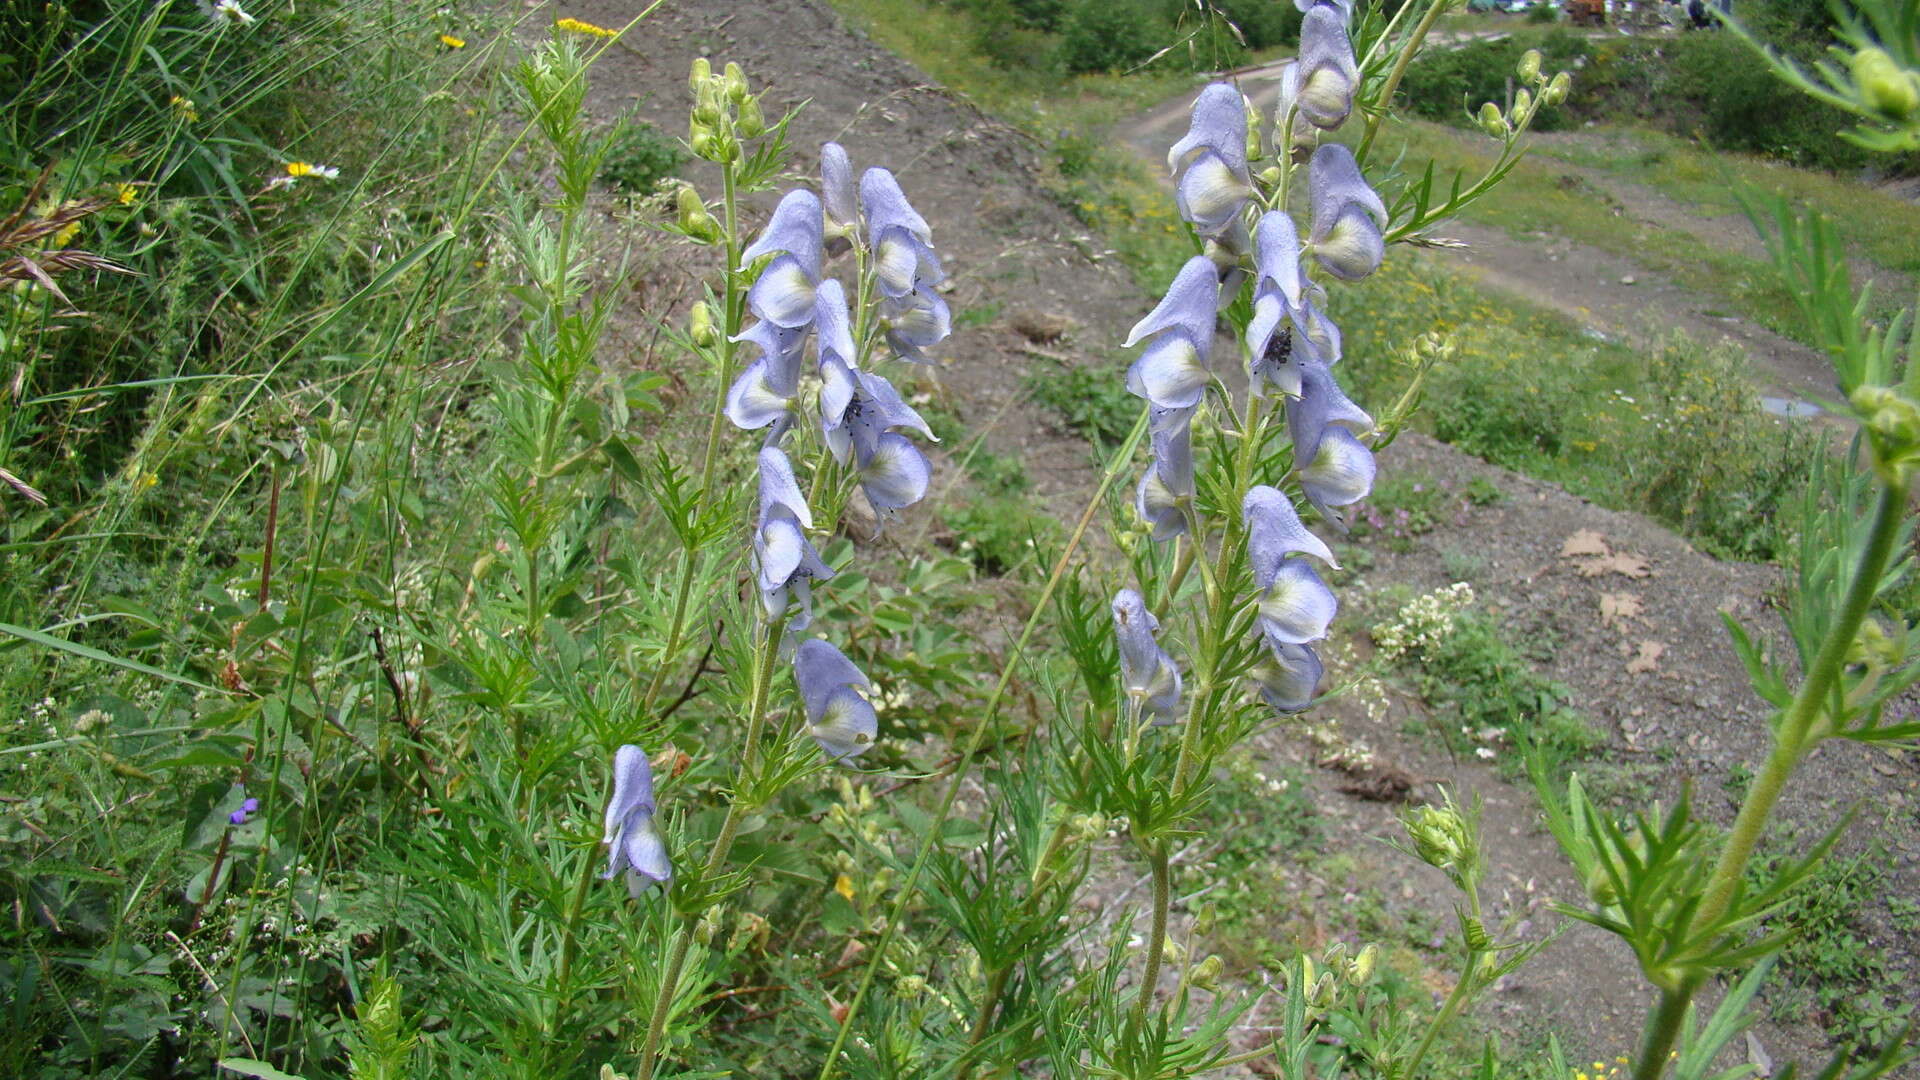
(1799, 729)
(1157, 936)
(1448, 1010)
(1663, 1031)
(769, 653)
(1385, 100)
(570, 940)
(996, 985)
(1797, 733)
(1120, 461)
(730, 319)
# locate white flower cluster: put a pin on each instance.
(1423, 622)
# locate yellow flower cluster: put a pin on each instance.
(588, 28)
(452, 42)
(1603, 1071)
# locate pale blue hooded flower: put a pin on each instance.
(1211, 160)
(1278, 305)
(839, 717)
(783, 294)
(1166, 488)
(836, 186)
(634, 842)
(1347, 215)
(915, 322)
(762, 395)
(1172, 371)
(901, 241)
(784, 560)
(1295, 605)
(1288, 676)
(1151, 679)
(1325, 75)
(858, 413)
(1336, 469)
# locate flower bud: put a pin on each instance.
(708, 927)
(702, 71)
(1270, 175)
(1203, 922)
(1491, 121)
(700, 329)
(695, 221)
(1873, 648)
(607, 1073)
(1523, 103)
(1600, 887)
(1253, 129)
(1489, 966)
(1886, 88)
(1335, 956)
(1529, 68)
(706, 104)
(1439, 836)
(908, 987)
(750, 124)
(1360, 970)
(1556, 91)
(735, 82)
(1206, 974)
(1322, 995)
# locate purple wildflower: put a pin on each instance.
(1347, 215)
(1152, 680)
(1211, 160)
(784, 559)
(839, 717)
(635, 844)
(783, 294)
(1172, 371)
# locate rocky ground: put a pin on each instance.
(1638, 641)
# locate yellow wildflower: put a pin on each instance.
(126, 193)
(300, 169)
(65, 235)
(186, 108)
(844, 886)
(580, 27)
(452, 42)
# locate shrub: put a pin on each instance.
(640, 157)
(1103, 36)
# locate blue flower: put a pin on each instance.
(247, 807)
(836, 186)
(635, 844)
(914, 322)
(763, 393)
(839, 717)
(1279, 305)
(1151, 679)
(1295, 605)
(1166, 488)
(1325, 75)
(783, 294)
(1211, 160)
(784, 560)
(898, 237)
(1288, 676)
(1172, 371)
(1347, 215)
(1336, 469)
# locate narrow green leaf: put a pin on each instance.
(88, 652)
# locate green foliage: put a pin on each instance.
(1000, 534)
(1834, 973)
(1090, 402)
(639, 156)
(1103, 36)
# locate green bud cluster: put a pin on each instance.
(725, 111)
(1892, 421)
(1537, 90)
(1440, 837)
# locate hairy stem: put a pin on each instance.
(1385, 101)
(1120, 461)
(730, 319)
(1797, 733)
(767, 656)
(1157, 936)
